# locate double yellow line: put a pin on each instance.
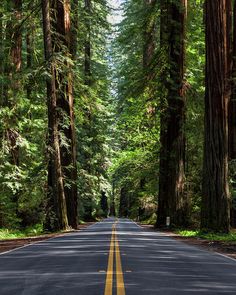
(114, 248)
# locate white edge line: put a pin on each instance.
(212, 252)
(30, 244)
(138, 225)
(224, 255)
(38, 242)
(195, 246)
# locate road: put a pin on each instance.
(115, 257)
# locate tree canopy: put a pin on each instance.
(117, 109)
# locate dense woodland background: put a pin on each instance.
(101, 119)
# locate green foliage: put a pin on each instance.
(117, 112)
(16, 234)
(23, 117)
(23, 186)
(195, 88)
(93, 112)
(134, 171)
(208, 236)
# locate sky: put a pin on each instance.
(116, 16)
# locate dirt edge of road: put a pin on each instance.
(225, 248)
(11, 244)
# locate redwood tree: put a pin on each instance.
(215, 203)
(172, 201)
(56, 194)
(232, 124)
(64, 86)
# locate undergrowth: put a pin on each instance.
(231, 237)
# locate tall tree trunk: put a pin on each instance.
(56, 195)
(1, 94)
(1, 56)
(232, 125)
(215, 202)
(62, 44)
(172, 199)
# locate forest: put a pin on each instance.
(117, 108)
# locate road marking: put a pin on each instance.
(109, 278)
(114, 248)
(120, 287)
(46, 240)
(138, 225)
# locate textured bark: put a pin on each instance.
(172, 200)
(1, 58)
(56, 195)
(1, 97)
(215, 202)
(232, 124)
(62, 44)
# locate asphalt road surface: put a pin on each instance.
(115, 257)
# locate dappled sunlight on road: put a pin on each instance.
(162, 265)
(152, 263)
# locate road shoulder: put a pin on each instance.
(11, 244)
(223, 248)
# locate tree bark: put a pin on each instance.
(62, 44)
(1, 56)
(172, 200)
(56, 195)
(215, 202)
(232, 124)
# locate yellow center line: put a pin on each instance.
(120, 287)
(109, 278)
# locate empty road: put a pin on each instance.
(115, 257)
